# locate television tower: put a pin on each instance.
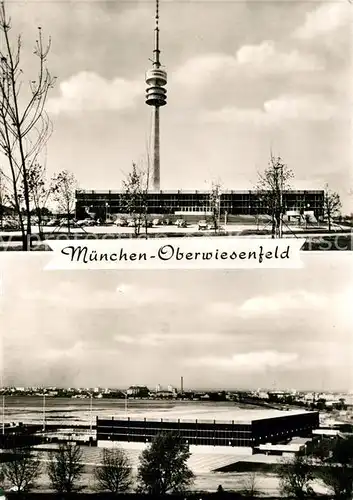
(156, 96)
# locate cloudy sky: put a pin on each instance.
(247, 329)
(243, 77)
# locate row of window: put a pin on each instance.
(190, 440)
(184, 432)
(317, 201)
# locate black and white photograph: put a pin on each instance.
(152, 118)
(176, 249)
(195, 383)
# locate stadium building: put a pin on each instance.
(103, 203)
(243, 429)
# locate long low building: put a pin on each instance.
(174, 202)
(226, 428)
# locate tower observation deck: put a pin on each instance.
(156, 96)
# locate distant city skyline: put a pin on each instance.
(245, 77)
(164, 387)
(218, 329)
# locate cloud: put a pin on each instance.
(309, 107)
(285, 107)
(223, 309)
(88, 91)
(255, 361)
(197, 70)
(282, 303)
(324, 20)
(163, 339)
(266, 58)
(140, 295)
(72, 295)
(263, 58)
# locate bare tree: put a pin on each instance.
(250, 489)
(332, 205)
(215, 204)
(146, 186)
(295, 476)
(64, 187)
(40, 192)
(114, 473)
(65, 468)
(135, 197)
(22, 469)
(3, 198)
(24, 125)
(271, 185)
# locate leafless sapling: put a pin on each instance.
(332, 205)
(24, 124)
(215, 205)
(272, 183)
(64, 187)
(135, 197)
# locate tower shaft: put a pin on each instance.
(156, 149)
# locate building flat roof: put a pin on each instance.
(202, 414)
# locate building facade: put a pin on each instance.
(209, 433)
(174, 202)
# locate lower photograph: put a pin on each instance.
(191, 384)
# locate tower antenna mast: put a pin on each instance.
(156, 96)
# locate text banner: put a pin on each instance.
(175, 253)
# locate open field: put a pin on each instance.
(78, 412)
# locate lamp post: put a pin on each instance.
(43, 411)
(3, 415)
(306, 215)
(259, 209)
(279, 201)
(90, 414)
(219, 210)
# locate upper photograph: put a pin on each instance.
(141, 119)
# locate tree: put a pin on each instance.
(3, 197)
(336, 469)
(135, 189)
(40, 192)
(22, 469)
(64, 187)
(295, 476)
(163, 466)
(271, 185)
(24, 125)
(114, 473)
(250, 489)
(332, 205)
(215, 204)
(65, 468)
